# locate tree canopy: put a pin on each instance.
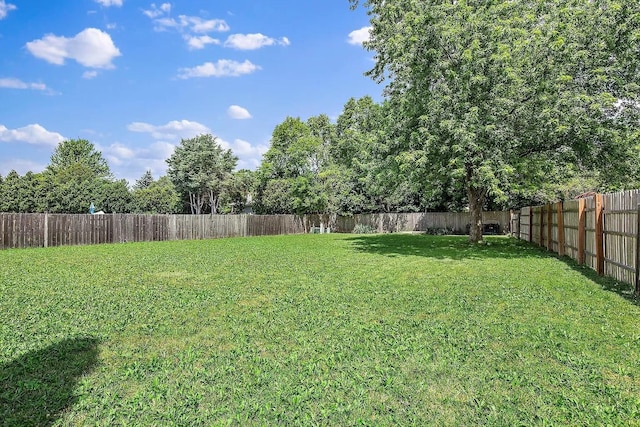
(487, 93)
(199, 168)
(78, 176)
(288, 179)
(155, 196)
(78, 158)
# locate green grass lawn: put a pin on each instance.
(313, 330)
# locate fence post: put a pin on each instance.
(46, 230)
(581, 230)
(599, 235)
(560, 228)
(549, 227)
(173, 227)
(530, 223)
(514, 224)
(637, 290)
(541, 231)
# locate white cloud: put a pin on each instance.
(199, 42)
(31, 134)
(129, 163)
(360, 36)
(156, 11)
(249, 155)
(107, 3)
(244, 148)
(222, 68)
(163, 24)
(173, 130)
(5, 8)
(238, 113)
(91, 48)
(89, 74)
(199, 25)
(121, 151)
(192, 24)
(195, 29)
(12, 83)
(162, 150)
(253, 41)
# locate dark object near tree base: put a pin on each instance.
(488, 228)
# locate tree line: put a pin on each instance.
(367, 162)
(358, 163)
(200, 178)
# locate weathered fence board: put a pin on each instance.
(525, 222)
(536, 224)
(590, 233)
(571, 221)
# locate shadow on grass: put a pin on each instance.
(36, 388)
(459, 248)
(443, 247)
(625, 290)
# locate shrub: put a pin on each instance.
(363, 229)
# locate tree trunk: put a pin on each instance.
(200, 204)
(476, 198)
(196, 201)
(213, 202)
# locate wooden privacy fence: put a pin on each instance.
(451, 222)
(600, 231)
(42, 230)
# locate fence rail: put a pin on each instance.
(601, 231)
(22, 230)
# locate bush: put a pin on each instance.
(363, 229)
(439, 231)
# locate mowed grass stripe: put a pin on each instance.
(313, 330)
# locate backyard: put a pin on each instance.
(394, 329)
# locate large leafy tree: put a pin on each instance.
(288, 178)
(77, 176)
(145, 181)
(158, 197)
(199, 168)
(113, 196)
(78, 158)
(28, 193)
(488, 92)
(32, 192)
(239, 190)
(363, 152)
(316, 166)
(10, 192)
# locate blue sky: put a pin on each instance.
(134, 77)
